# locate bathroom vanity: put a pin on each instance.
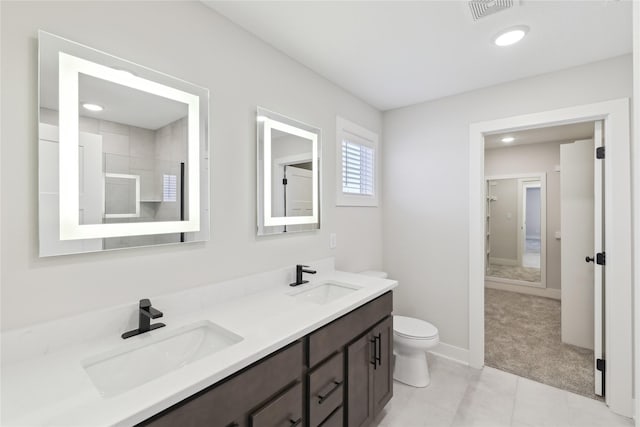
(252, 351)
(340, 374)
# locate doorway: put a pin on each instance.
(617, 207)
(525, 330)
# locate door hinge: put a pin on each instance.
(600, 153)
(601, 258)
(601, 365)
(284, 181)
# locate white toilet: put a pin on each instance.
(411, 340)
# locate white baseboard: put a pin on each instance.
(529, 290)
(503, 261)
(448, 351)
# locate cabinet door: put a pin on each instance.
(360, 359)
(382, 335)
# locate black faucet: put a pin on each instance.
(299, 270)
(145, 314)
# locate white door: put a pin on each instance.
(299, 196)
(577, 225)
(599, 269)
(91, 201)
(582, 231)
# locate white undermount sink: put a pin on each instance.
(150, 356)
(324, 293)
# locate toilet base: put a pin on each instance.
(412, 369)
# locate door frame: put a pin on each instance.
(542, 177)
(617, 201)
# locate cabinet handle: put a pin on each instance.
(379, 349)
(374, 360)
(295, 422)
(325, 396)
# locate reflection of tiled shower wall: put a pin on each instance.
(143, 152)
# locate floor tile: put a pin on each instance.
(541, 405)
(587, 412)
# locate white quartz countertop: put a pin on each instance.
(53, 389)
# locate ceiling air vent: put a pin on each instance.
(482, 8)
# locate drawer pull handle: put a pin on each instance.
(295, 422)
(325, 396)
(374, 359)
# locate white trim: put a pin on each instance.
(503, 261)
(451, 352)
(636, 196)
(530, 290)
(515, 282)
(70, 228)
(269, 220)
(136, 178)
(366, 137)
(618, 316)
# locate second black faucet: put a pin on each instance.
(299, 270)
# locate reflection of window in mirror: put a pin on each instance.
(357, 161)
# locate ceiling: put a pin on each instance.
(396, 53)
(572, 132)
(121, 104)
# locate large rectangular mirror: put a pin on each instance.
(123, 153)
(288, 174)
(516, 229)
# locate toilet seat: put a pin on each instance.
(417, 329)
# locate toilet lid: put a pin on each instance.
(413, 328)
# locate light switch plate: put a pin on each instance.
(332, 241)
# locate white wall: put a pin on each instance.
(532, 158)
(192, 42)
(426, 183)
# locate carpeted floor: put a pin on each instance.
(522, 336)
(514, 272)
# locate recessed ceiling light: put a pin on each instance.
(92, 107)
(508, 139)
(511, 35)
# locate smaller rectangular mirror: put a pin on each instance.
(288, 171)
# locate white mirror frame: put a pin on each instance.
(136, 178)
(70, 227)
(270, 220)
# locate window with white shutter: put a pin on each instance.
(169, 190)
(357, 157)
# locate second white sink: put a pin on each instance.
(151, 356)
(324, 293)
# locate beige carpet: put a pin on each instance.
(522, 336)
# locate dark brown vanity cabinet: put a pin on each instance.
(337, 376)
(370, 379)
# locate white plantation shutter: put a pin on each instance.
(357, 168)
(169, 190)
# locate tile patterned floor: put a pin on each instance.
(460, 396)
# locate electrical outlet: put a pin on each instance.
(332, 241)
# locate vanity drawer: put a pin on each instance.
(326, 389)
(227, 403)
(335, 420)
(341, 331)
(284, 410)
